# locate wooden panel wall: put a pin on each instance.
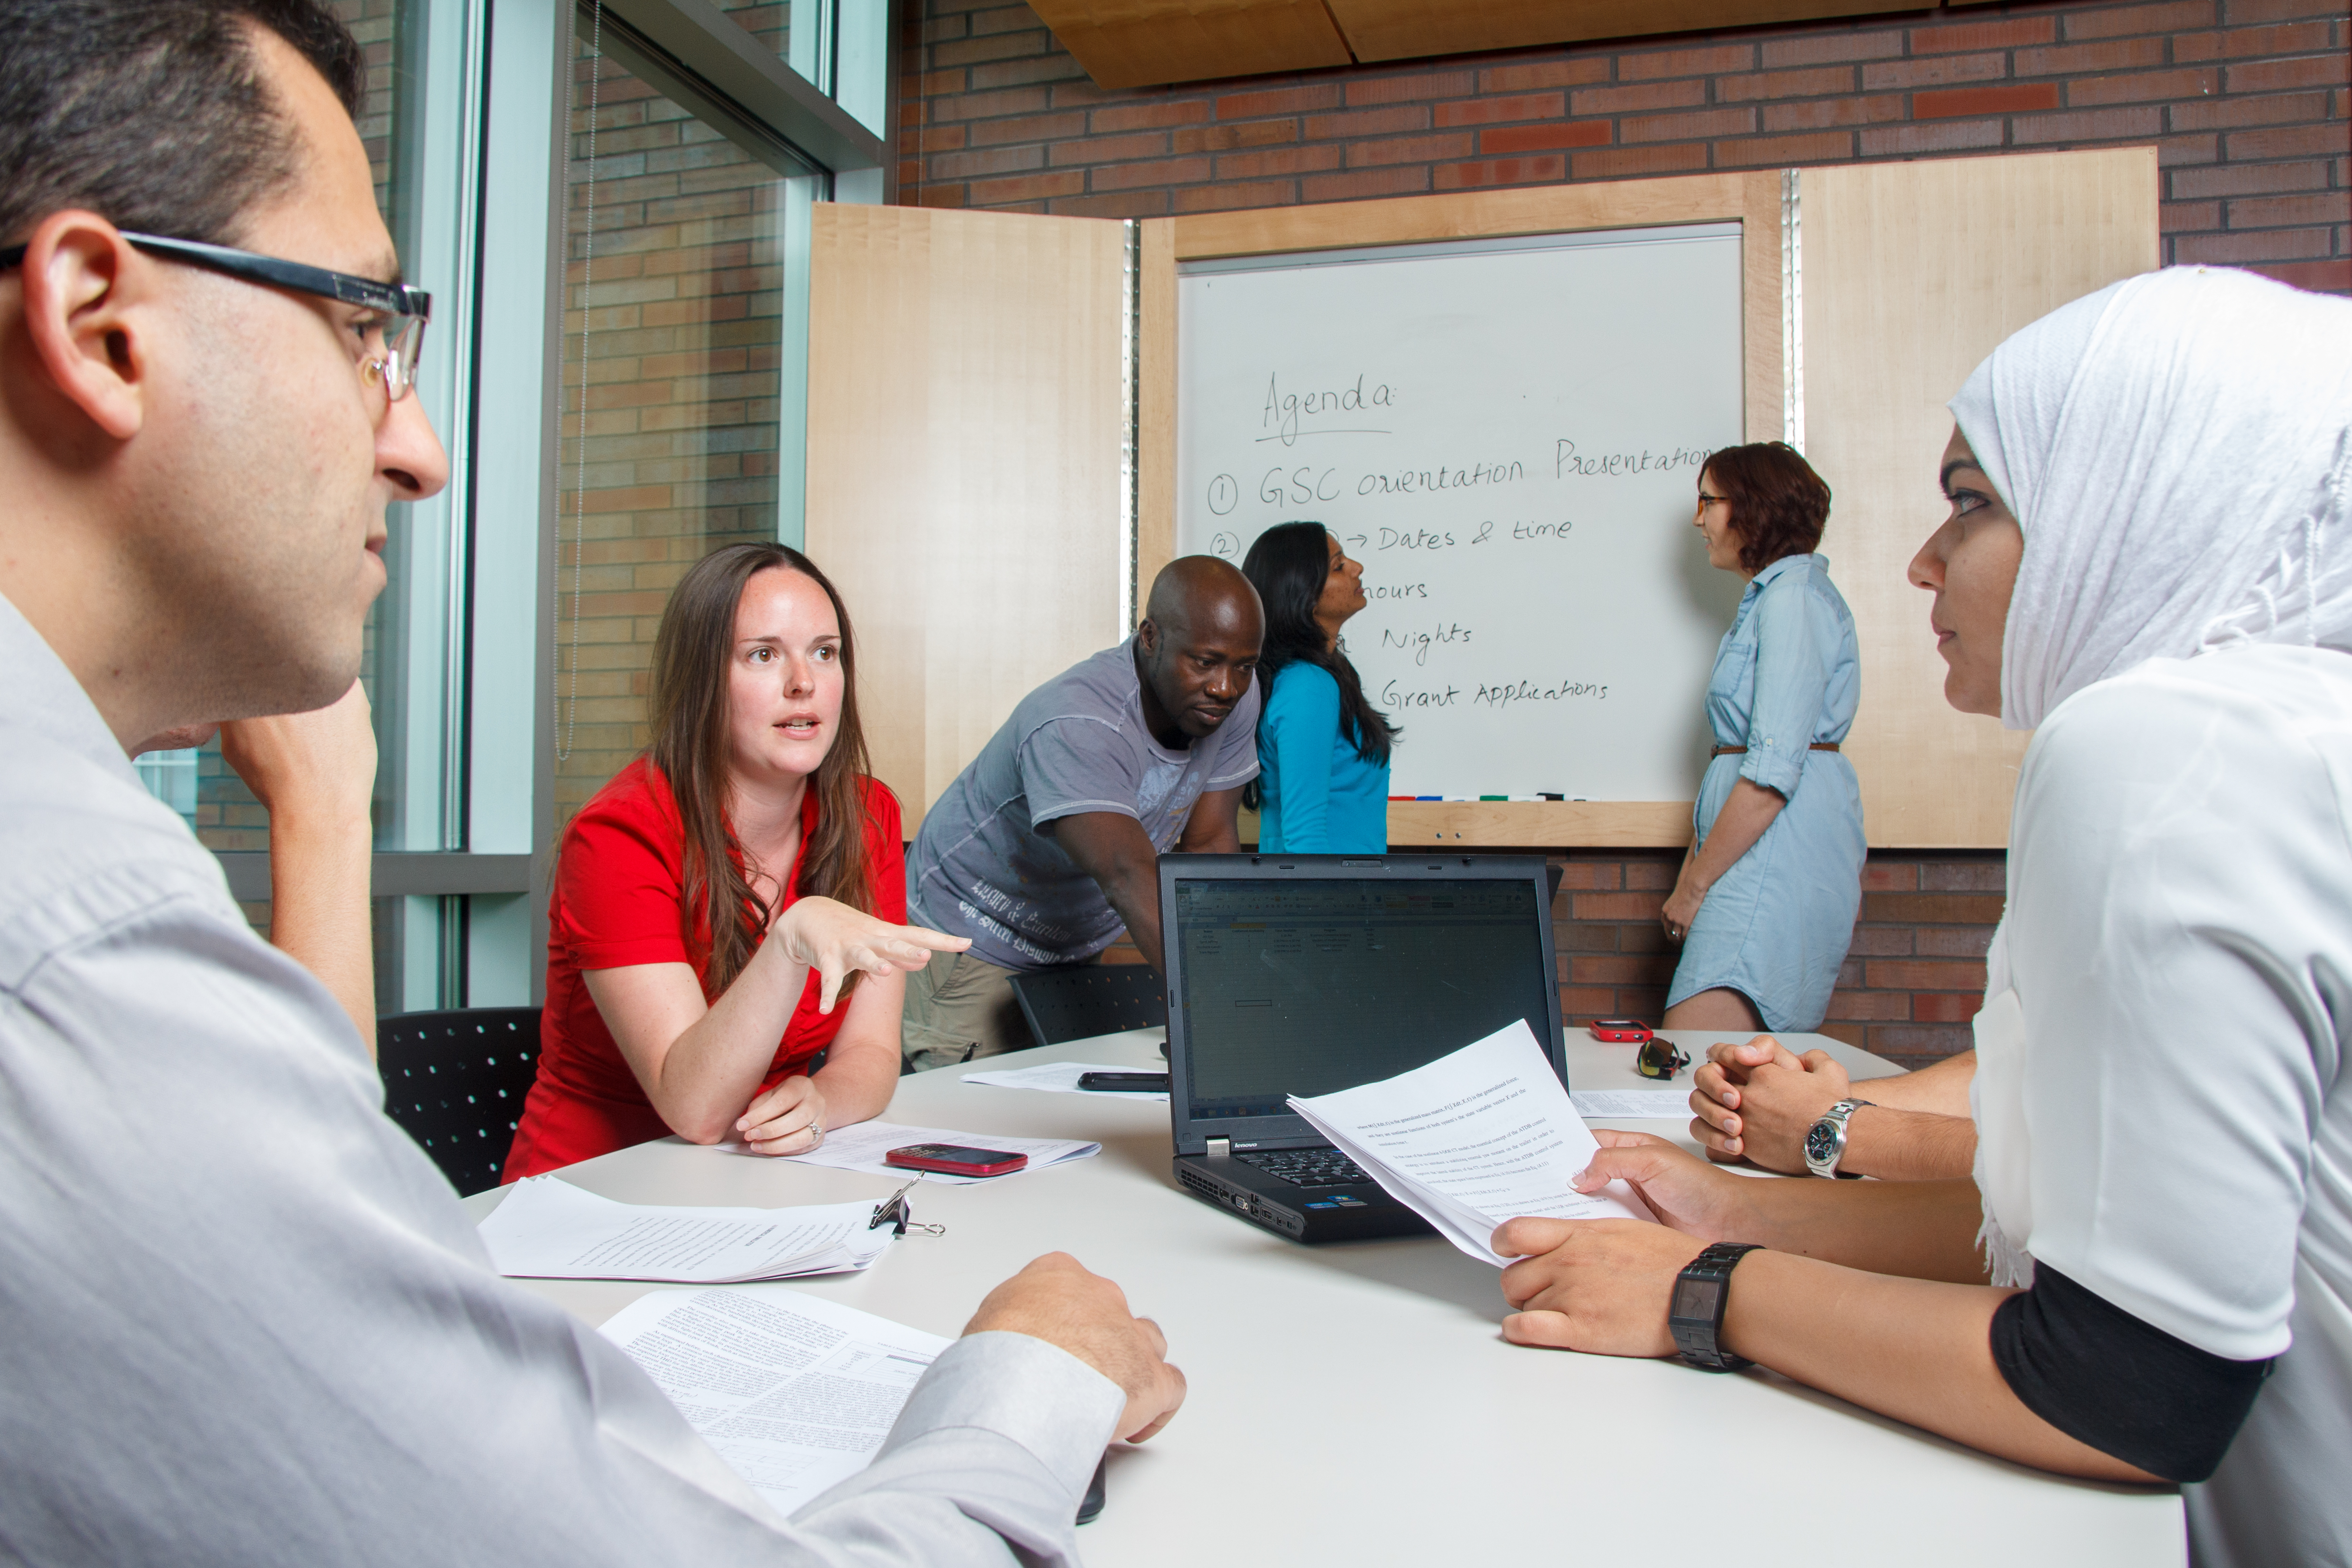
(1410, 29)
(1130, 43)
(1912, 274)
(966, 413)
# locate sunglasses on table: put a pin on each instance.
(390, 345)
(1659, 1059)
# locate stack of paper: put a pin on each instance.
(1472, 1140)
(549, 1229)
(795, 1392)
(1634, 1104)
(1062, 1077)
(860, 1147)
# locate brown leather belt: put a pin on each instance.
(1735, 750)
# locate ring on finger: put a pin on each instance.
(816, 1135)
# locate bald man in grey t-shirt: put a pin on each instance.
(1049, 842)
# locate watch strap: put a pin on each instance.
(1697, 1339)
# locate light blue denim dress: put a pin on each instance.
(1777, 927)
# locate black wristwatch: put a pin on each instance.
(1695, 1315)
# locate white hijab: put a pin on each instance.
(2177, 450)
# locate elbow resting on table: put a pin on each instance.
(705, 1130)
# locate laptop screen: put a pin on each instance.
(1304, 985)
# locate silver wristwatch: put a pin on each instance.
(1826, 1140)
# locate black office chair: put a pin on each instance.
(456, 1082)
(1083, 999)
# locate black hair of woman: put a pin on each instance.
(1288, 565)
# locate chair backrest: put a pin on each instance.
(456, 1083)
(1086, 999)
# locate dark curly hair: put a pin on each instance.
(1778, 505)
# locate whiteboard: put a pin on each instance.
(1508, 435)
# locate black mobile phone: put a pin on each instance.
(1129, 1081)
(1091, 1504)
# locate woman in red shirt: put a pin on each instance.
(715, 899)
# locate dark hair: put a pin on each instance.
(1288, 567)
(1778, 505)
(693, 649)
(155, 114)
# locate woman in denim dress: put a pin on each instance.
(1764, 907)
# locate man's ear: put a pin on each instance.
(1146, 640)
(87, 294)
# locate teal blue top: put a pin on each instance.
(1321, 798)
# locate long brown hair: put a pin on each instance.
(693, 651)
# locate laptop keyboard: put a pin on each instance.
(1309, 1167)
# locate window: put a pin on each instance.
(674, 327)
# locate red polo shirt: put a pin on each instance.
(620, 899)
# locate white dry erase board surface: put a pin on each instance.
(1508, 434)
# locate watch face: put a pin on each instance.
(1820, 1143)
(1695, 1300)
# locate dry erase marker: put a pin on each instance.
(1429, 798)
(1548, 795)
(1494, 797)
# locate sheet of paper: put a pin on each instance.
(861, 1147)
(1474, 1139)
(1619, 1104)
(547, 1228)
(1062, 1077)
(794, 1392)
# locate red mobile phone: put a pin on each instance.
(955, 1159)
(1620, 1031)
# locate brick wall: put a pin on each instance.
(2247, 99)
(1912, 980)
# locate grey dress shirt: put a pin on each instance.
(242, 1320)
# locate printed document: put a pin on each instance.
(549, 1229)
(1624, 1104)
(1062, 1077)
(1472, 1140)
(862, 1146)
(794, 1392)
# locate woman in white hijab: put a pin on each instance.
(2148, 563)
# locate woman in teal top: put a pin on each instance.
(1322, 748)
(1765, 904)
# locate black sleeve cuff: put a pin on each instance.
(2121, 1385)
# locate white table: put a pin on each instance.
(1355, 1404)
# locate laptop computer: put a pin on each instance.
(1307, 973)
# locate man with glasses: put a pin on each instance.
(242, 1320)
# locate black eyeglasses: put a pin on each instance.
(392, 343)
(1659, 1059)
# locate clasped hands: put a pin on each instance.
(1755, 1100)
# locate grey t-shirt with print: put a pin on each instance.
(980, 867)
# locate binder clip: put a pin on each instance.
(893, 1211)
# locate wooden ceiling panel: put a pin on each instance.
(1415, 29)
(1138, 43)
